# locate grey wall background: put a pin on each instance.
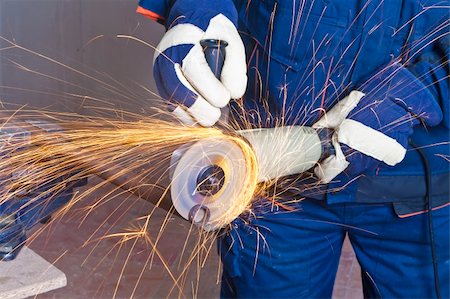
(82, 35)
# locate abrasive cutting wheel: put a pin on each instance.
(207, 181)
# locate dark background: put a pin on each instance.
(63, 30)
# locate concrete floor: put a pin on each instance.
(107, 268)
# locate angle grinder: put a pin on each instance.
(209, 176)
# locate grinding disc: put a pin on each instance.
(217, 210)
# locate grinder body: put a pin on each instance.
(283, 151)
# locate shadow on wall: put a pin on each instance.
(81, 34)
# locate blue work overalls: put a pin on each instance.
(300, 53)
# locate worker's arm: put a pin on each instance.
(156, 10)
(374, 124)
(433, 70)
(181, 71)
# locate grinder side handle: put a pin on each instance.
(215, 52)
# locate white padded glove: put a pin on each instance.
(355, 135)
(184, 78)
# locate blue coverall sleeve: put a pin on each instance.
(432, 69)
(419, 85)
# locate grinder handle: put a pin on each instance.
(215, 51)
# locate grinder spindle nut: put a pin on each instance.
(199, 210)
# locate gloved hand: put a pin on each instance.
(181, 72)
(373, 125)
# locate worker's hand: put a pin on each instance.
(373, 125)
(182, 74)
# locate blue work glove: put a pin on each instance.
(373, 125)
(181, 72)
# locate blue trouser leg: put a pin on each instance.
(396, 260)
(280, 254)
